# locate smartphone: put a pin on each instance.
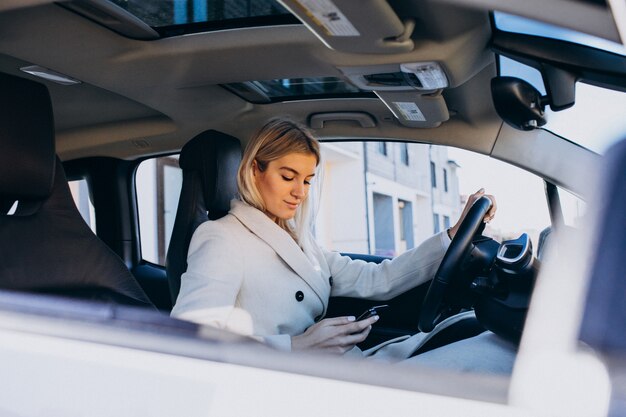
(372, 311)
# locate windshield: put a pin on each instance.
(596, 120)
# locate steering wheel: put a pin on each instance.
(435, 304)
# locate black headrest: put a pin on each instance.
(46, 245)
(209, 162)
(216, 157)
(27, 157)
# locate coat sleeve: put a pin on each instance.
(360, 279)
(209, 288)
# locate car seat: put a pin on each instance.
(209, 162)
(45, 245)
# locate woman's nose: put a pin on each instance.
(298, 190)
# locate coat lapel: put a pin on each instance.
(283, 244)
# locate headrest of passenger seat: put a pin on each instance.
(216, 157)
(27, 155)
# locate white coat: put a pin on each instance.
(247, 275)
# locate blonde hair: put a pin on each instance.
(279, 137)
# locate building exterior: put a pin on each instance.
(384, 198)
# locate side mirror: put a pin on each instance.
(518, 103)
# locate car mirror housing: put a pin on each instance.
(518, 103)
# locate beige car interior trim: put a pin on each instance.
(317, 121)
(344, 26)
(538, 151)
(618, 8)
(76, 143)
(598, 20)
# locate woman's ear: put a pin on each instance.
(255, 168)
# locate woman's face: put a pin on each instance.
(284, 185)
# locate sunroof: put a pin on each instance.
(271, 91)
(175, 17)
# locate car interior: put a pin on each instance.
(45, 224)
(116, 87)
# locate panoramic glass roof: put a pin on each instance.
(205, 15)
(270, 91)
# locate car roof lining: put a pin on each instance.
(175, 77)
(598, 19)
(134, 71)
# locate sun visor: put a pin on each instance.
(347, 26)
(413, 109)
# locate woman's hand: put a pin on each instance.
(336, 335)
(472, 198)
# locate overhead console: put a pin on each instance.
(411, 91)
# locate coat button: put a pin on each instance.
(330, 281)
(299, 296)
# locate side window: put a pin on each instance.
(80, 194)
(158, 182)
(573, 207)
(380, 205)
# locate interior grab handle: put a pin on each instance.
(316, 121)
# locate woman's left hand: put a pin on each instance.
(470, 201)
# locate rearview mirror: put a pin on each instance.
(518, 103)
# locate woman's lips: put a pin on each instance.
(292, 206)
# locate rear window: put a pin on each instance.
(80, 194)
(158, 182)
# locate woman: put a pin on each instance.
(258, 271)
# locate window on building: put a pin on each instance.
(433, 174)
(405, 220)
(384, 236)
(404, 153)
(436, 226)
(445, 180)
(382, 148)
(158, 183)
(446, 222)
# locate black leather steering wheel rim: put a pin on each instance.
(434, 302)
